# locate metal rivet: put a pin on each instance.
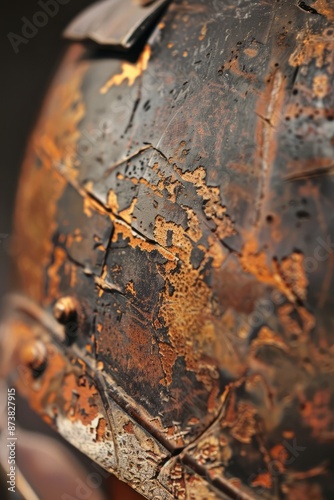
(34, 354)
(65, 309)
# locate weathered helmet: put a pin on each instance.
(173, 314)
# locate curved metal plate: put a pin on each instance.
(114, 22)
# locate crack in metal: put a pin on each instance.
(85, 193)
(317, 172)
(135, 105)
(267, 131)
(223, 487)
(306, 8)
(146, 147)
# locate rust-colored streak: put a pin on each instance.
(130, 71)
(101, 430)
(293, 272)
(269, 109)
(204, 30)
(54, 272)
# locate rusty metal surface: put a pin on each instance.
(184, 200)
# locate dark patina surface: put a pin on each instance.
(181, 195)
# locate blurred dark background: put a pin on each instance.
(25, 76)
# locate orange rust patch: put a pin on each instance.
(245, 426)
(255, 263)
(280, 455)
(56, 389)
(291, 326)
(318, 47)
(208, 450)
(197, 487)
(130, 71)
(194, 230)
(101, 430)
(288, 434)
(263, 481)
(73, 273)
(317, 413)
(135, 241)
(181, 244)
(112, 201)
(230, 414)
(213, 207)
(188, 312)
(129, 428)
(171, 187)
(234, 67)
(53, 273)
(216, 252)
(321, 86)
(292, 270)
(213, 210)
(326, 8)
(203, 32)
(100, 281)
(212, 401)
(177, 482)
(268, 337)
(80, 399)
(168, 358)
(127, 213)
(130, 288)
(90, 205)
(251, 52)
(156, 189)
(133, 356)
